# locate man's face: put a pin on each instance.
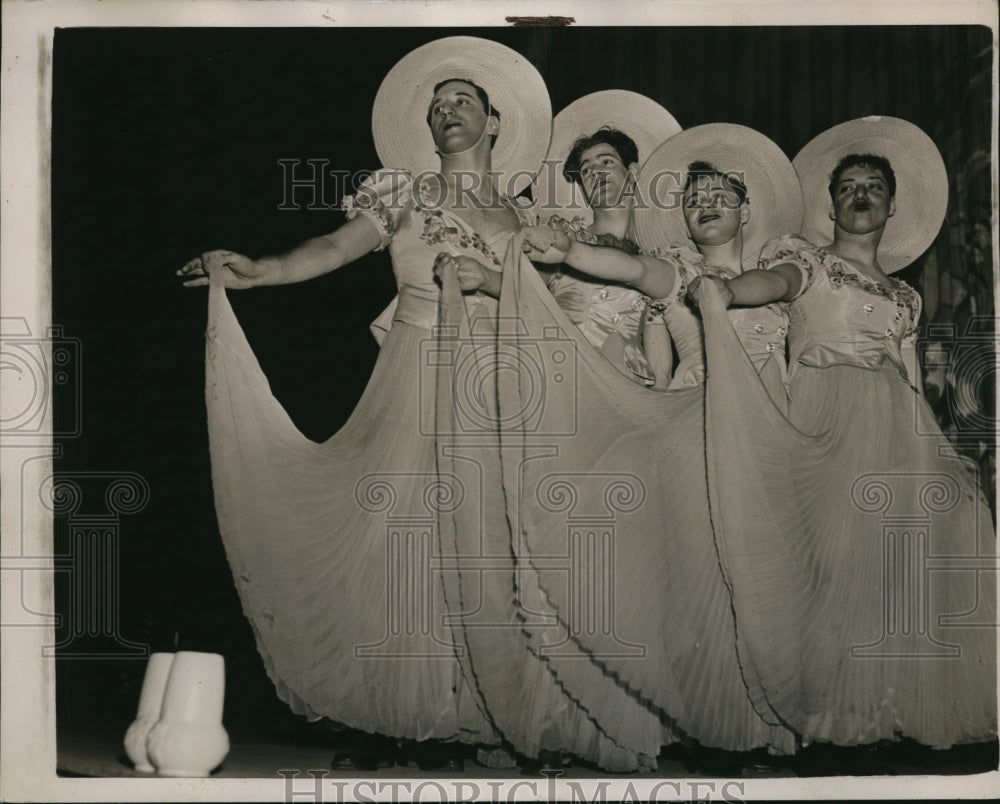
(713, 211)
(861, 200)
(604, 176)
(457, 117)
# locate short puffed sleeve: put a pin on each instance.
(682, 272)
(792, 250)
(382, 198)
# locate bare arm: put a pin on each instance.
(313, 258)
(754, 288)
(648, 275)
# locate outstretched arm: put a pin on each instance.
(754, 288)
(648, 275)
(313, 258)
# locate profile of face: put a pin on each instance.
(458, 118)
(604, 176)
(713, 211)
(862, 202)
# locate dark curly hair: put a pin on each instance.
(623, 144)
(879, 163)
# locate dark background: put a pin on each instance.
(166, 143)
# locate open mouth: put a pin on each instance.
(451, 124)
(711, 215)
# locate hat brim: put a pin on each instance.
(773, 191)
(921, 184)
(642, 119)
(516, 89)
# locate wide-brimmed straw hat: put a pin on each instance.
(921, 184)
(773, 191)
(515, 88)
(640, 118)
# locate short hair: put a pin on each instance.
(699, 170)
(623, 144)
(880, 163)
(481, 93)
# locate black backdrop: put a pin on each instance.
(166, 143)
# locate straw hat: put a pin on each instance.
(642, 119)
(402, 137)
(921, 184)
(772, 187)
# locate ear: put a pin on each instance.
(892, 206)
(744, 213)
(493, 126)
(833, 214)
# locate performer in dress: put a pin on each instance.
(609, 478)
(727, 190)
(348, 555)
(588, 188)
(861, 559)
(586, 191)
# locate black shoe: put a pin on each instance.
(824, 759)
(545, 761)
(371, 752)
(434, 755)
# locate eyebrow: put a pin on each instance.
(869, 177)
(438, 98)
(599, 155)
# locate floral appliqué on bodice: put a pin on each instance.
(600, 309)
(841, 316)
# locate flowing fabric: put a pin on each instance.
(861, 558)
(605, 487)
(377, 569)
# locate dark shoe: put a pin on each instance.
(497, 757)
(435, 756)
(824, 759)
(371, 752)
(545, 761)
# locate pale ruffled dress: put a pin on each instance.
(761, 330)
(857, 547)
(378, 569)
(605, 485)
